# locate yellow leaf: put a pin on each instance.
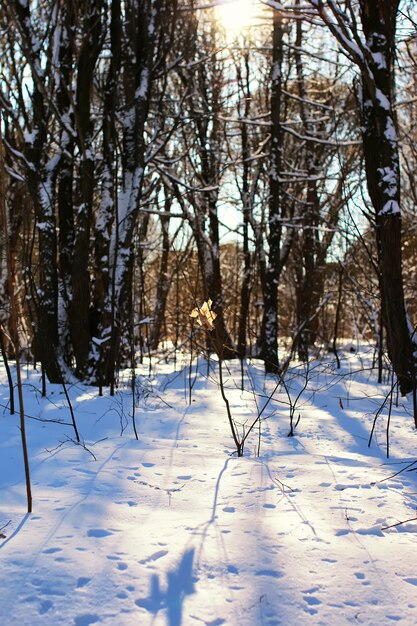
(204, 314)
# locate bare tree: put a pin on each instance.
(371, 46)
(280, 206)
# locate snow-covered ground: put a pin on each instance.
(174, 529)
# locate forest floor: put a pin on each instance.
(174, 529)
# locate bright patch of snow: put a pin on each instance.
(175, 530)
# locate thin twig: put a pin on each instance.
(3, 527)
(412, 519)
(404, 469)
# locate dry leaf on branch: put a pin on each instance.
(204, 315)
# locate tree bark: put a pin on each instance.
(380, 145)
(81, 280)
(277, 214)
(41, 175)
(164, 280)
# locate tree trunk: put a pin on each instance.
(374, 56)
(101, 318)
(278, 249)
(380, 145)
(41, 176)
(164, 282)
(81, 275)
(247, 195)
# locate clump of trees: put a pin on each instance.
(151, 161)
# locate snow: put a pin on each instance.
(391, 207)
(379, 60)
(30, 137)
(382, 100)
(99, 341)
(146, 320)
(143, 88)
(174, 529)
(390, 132)
(388, 180)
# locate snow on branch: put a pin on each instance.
(326, 142)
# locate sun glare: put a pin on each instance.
(236, 15)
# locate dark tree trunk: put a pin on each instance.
(41, 177)
(164, 282)
(309, 285)
(81, 287)
(247, 201)
(312, 261)
(65, 185)
(138, 55)
(278, 249)
(245, 289)
(222, 340)
(383, 176)
(101, 320)
(375, 59)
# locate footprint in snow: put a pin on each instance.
(98, 532)
(154, 557)
(311, 590)
(342, 487)
(86, 619)
(269, 572)
(45, 606)
(312, 600)
(52, 550)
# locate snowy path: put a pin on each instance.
(173, 530)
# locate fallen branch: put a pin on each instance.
(412, 519)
